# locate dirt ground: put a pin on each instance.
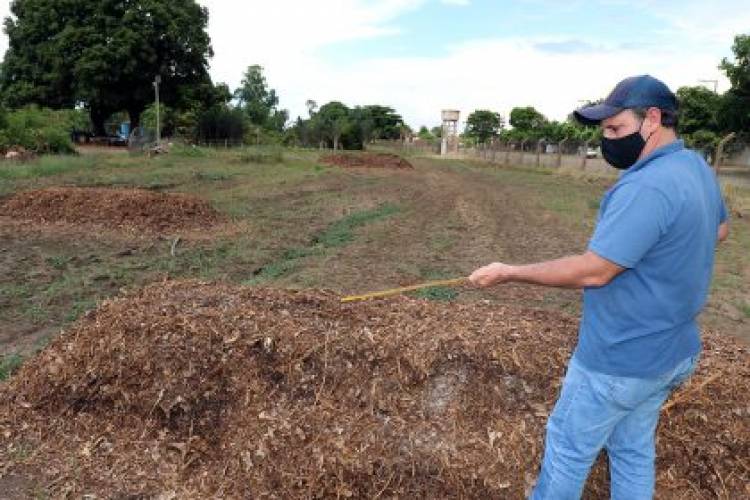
(449, 218)
(366, 160)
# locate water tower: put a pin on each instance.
(449, 143)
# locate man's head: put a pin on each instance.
(639, 109)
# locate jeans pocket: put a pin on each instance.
(628, 392)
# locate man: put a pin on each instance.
(645, 276)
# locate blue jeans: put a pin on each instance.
(598, 411)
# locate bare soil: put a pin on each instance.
(133, 209)
(366, 160)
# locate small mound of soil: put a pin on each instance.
(121, 208)
(367, 160)
(203, 390)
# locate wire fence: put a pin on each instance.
(730, 156)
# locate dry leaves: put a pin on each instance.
(203, 390)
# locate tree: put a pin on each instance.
(735, 105)
(425, 134)
(386, 123)
(333, 120)
(526, 119)
(738, 71)
(104, 54)
(483, 125)
(698, 109)
(311, 106)
(259, 102)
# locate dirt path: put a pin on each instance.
(453, 219)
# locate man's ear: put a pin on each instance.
(654, 119)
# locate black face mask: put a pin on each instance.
(622, 153)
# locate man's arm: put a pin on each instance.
(576, 271)
(723, 231)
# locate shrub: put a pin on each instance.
(40, 130)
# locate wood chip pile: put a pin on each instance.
(205, 390)
(367, 160)
(121, 208)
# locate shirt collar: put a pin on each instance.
(672, 147)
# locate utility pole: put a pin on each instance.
(157, 81)
(715, 82)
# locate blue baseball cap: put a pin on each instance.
(642, 91)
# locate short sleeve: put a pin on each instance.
(632, 221)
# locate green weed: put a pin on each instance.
(262, 156)
(341, 232)
(439, 293)
(9, 365)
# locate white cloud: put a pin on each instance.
(551, 73)
(494, 74)
(460, 3)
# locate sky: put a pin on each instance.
(421, 56)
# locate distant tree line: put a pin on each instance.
(96, 63)
(704, 115)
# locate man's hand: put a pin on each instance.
(492, 274)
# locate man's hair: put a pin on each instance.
(669, 117)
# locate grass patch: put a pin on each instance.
(46, 166)
(212, 176)
(439, 293)
(261, 155)
(9, 365)
(79, 307)
(744, 307)
(186, 151)
(341, 232)
(336, 235)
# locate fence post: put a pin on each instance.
(539, 153)
(585, 155)
(559, 151)
(720, 151)
(507, 153)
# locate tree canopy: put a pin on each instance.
(526, 119)
(259, 102)
(105, 55)
(483, 125)
(734, 111)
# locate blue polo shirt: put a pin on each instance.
(659, 221)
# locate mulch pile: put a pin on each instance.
(367, 160)
(120, 208)
(205, 390)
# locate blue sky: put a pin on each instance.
(424, 31)
(420, 56)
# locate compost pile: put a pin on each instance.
(367, 160)
(120, 208)
(204, 390)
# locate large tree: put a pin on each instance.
(105, 54)
(734, 111)
(483, 124)
(333, 120)
(698, 109)
(526, 119)
(259, 102)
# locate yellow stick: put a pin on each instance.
(396, 291)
